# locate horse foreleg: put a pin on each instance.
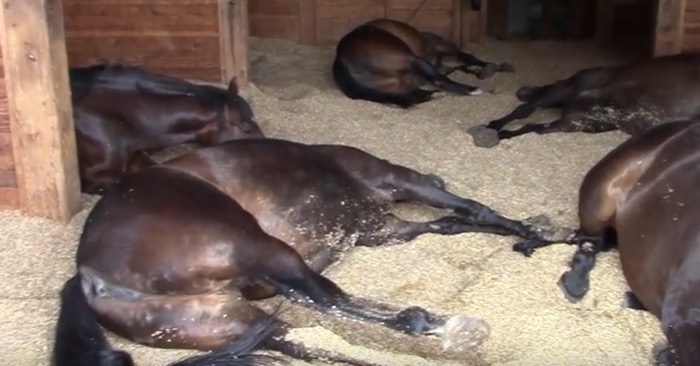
(431, 74)
(398, 231)
(577, 122)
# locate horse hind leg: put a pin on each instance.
(221, 322)
(556, 94)
(468, 63)
(397, 183)
(431, 74)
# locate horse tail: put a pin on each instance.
(353, 89)
(79, 340)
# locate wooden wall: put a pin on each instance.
(325, 21)
(8, 178)
(179, 37)
(691, 26)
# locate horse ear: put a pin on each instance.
(233, 87)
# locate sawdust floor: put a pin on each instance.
(473, 274)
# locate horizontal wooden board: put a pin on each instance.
(9, 198)
(282, 27)
(274, 7)
(173, 53)
(339, 9)
(430, 5)
(94, 16)
(436, 21)
(692, 11)
(330, 30)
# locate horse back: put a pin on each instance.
(410, 36)
(606, 186)
(287, 186)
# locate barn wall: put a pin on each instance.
(178, 37)
(8, 180)
(325, 21)
(691, 26)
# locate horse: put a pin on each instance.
(641, 199)
(174, 255)
(386, 61)
(121, 113)
(629, 97)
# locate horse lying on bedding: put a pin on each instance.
(173, 255)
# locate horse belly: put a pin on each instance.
(322, 225)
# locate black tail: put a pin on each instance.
(80, 341)
(354, 90)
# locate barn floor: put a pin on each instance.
(473, 274)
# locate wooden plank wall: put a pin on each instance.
(691, 26)
(8, 178)
(325, 21)
(178, 37)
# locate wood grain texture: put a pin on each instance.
(36, 79)
(180, 37)
(319, 22)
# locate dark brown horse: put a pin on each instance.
(643, 198)
(121, 113)
(173, 255)
(628, 97)
(387, 61)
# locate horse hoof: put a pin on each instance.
(506, 67)
(463, 333)
(436, 181)
(664, 357)
(417, 321)
(573, 292)
(483, 136)
(524, 247)
(538, 221)
(486, 72)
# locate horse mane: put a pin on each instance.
(116, 76)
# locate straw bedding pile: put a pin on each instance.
(473, 274)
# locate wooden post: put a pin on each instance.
(43, 138)
(668, 34)
(233, 38)
(473, 23)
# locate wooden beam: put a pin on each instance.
(668, 33)
(43, 138)
(473, 23)
(233, 36)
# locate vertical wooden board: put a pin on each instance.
(307, 21)
(276, 19)
(235, 33)
(668, 35)
(43, 138)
